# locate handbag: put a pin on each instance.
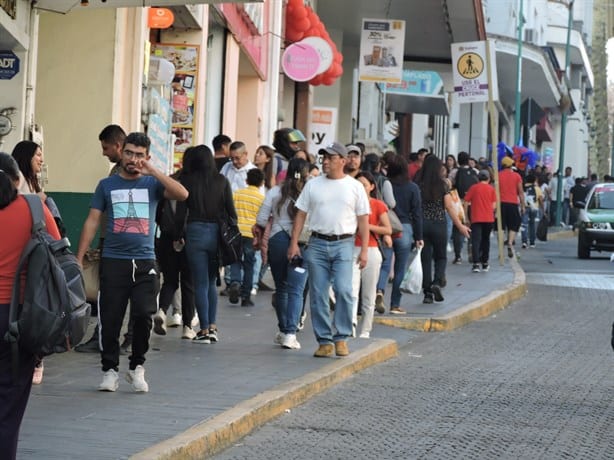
(91, 274)
(395, 222)
(412, 281)
(230, 247)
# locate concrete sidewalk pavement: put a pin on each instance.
(205, 397)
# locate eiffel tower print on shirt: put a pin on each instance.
(130, 211)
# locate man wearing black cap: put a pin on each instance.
(337, 204)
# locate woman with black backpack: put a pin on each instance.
(15, 232)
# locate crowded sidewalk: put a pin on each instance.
(68, 418)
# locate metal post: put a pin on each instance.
(559, 182)
(518, 74)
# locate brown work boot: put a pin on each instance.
(341, 348)
(325, 350)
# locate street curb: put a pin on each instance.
(561, 235)
(213, 435)
(478, 309)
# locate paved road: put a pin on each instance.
(533, 381)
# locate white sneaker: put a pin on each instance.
(174, 320)
(301, 323)
(254, 291)
(110, 381)
(365, 335)
(290, 342)
(279, 338)
(137, 379)
(188, 333)
(195, 320)
(159, 321)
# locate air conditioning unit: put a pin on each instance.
(530, 36)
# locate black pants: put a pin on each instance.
(434, 253)
(480, 241)
(14, 391)
(174, 267)
(123, 280)
(457, 241)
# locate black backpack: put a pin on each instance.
(465, 178)
(54, 315)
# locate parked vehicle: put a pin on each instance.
(596, 221)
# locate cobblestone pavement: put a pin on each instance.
(533, 381)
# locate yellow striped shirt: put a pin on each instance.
(247, 204)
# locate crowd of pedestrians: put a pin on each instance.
(326, 233)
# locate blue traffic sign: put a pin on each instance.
(9, 65)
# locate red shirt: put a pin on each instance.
(508, 185)
(412, 169)
(482, 197)
(15, 232)
(377, 209)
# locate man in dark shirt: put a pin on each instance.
(577, 197)
(221, 150)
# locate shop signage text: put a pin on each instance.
(9, 65)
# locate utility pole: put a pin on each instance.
(518, 73)
(559, 182)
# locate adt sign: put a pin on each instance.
(9, 65)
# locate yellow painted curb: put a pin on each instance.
(218, 433)
(478, 309)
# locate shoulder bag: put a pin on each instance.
(230, 247)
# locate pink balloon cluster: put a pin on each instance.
(303, 22)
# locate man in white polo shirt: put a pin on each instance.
(337, 204)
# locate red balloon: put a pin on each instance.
(316, 81)
(293, 35)
(328, 81)
(296, 3)
(297, 13)
(336, 69)
(301, 24)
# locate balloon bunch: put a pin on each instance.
(524, 159)
(303, 22)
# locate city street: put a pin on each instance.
(532, 381)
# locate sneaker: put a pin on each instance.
(325, 350)
(290, 342)
(247, 302)
(234, 291)
(279, 338)
(485, 267)
(254, 291)
(37, 376)
(438, 296)
(532, 246)
(137, 379)
(457, 261)
(428, 297)
(524, 245)
(353, 330)
(159, 321)
(195, 321)
(110, 381)
(341, 348)
(476, 268)
(364, 335)
(213, 335)
(202, 337)
(441, 282)
(175, 320)
(379, 303)
(91, 346)
(510, 251)
(188, 333)
(397, 311)
(301, 323)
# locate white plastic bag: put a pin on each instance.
(412, 281)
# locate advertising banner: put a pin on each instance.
(323, 129)
(469, 69)
(382, 45)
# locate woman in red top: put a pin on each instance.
(483, 200)
(379, 227)
(15, 231)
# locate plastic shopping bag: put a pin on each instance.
(412, 281)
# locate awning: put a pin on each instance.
(64, 6)
(418, 92)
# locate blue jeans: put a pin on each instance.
(401, 248)
(201, 248)
(247, 264)
(330, 261)
(289, 284)
(258, 269)
(528, 223)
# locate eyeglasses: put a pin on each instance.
(132, 154)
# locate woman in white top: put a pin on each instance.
(289, 276)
